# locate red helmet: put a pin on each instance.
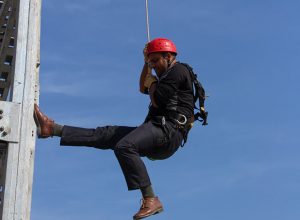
(161, 45)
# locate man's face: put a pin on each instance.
(158, 63)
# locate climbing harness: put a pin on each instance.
(147, 21)
(199, 95)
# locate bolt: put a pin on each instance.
(1, 129)
(1, 111)
(4, 134)
(1, 117)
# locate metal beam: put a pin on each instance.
(19, 88)
(9, 121)
(8, 32)
(3, 162)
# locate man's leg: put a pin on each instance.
(142, 141)
(101, 137)
(130, 142)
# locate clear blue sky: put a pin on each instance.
(243, 166)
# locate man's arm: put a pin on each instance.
(151, 93)
(147, 80)
(146, 70)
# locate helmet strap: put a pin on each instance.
(170, 63)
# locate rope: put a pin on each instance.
(147, 20)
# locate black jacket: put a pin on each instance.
(174, 93)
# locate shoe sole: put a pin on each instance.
(38, 126)
(156, 212)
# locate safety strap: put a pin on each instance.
(199, 94)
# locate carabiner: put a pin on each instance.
(184, 120)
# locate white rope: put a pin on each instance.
(147, 20)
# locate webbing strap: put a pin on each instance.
(199, 94)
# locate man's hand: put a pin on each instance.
(149, 80)
(145, 72)
(145, 51)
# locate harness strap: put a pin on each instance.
(199, 95)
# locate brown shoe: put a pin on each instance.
(150, 206)
(44, 124)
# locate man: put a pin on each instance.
(170, 116)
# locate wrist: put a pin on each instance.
(152, 87)
(149, 80)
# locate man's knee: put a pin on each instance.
(124, 147)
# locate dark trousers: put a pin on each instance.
(152, 139)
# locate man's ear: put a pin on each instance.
(168, 56)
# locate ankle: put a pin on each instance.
(147, 192)
(57, 130)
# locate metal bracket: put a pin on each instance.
(9, 121)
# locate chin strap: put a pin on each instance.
(171, 63)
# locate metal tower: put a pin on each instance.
(19, 86)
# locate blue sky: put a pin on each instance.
(243, 165)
